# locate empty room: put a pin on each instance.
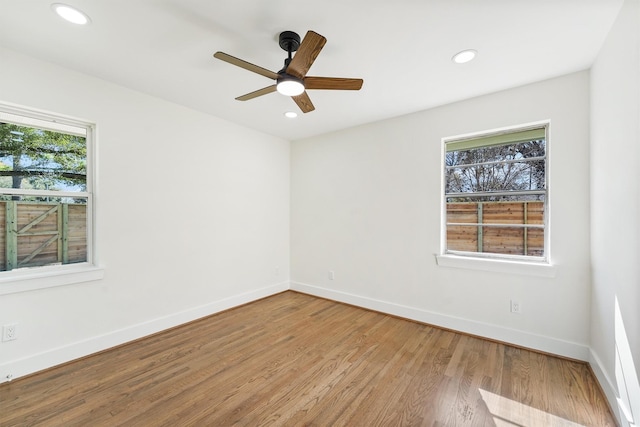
(365, 213)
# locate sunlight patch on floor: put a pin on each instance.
(509, 413)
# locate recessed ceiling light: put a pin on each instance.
(70, 13)
(291, 114)
(464, 56)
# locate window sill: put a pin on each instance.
(48, 277)
(539, 269)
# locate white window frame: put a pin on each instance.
(22, 280)
(504, 263)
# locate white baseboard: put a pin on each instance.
(608, 387)
(490, 331)
(56, 356)
(37, 362)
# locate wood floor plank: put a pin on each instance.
(294, 360)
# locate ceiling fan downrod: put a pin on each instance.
(290, 42)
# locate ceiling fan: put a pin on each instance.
(292, 79)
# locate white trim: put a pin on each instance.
(56, 122)
(25, 117)
(47, 277)
(45, 193)
(491, 331)
(47, 359)
(92, 163)
(608, 386)
(527, 268)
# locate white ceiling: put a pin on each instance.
(402, 49)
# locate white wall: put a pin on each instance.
(615, 192)
(192, 217)
(365, 203)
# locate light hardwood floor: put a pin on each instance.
(294, 360)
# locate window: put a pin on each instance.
(45, 195)
(495, 195)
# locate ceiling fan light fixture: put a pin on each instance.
(70, 14)
(292, 79)
(464, 56)
(291, 114)
(290, 86)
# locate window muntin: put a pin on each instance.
(495, 194)
(45, 190)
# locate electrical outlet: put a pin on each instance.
(331, 275)
(10, 332)
(515, 307)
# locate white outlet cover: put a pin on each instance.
(10, 332)
(516, 307)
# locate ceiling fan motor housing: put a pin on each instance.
(289, 41)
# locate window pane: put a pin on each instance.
(513, 176)
(512, 241)
(510, 228)
(33, 158)
(495, 194)
(518, 167)
(45, 195)
(42, 232)
(520, 150)
(513, 213)
(462, 238)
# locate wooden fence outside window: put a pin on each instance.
(496, 227)
(42, 233)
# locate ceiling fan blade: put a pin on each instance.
(308, 51)
(246, 65)
(334, 83)
(304, 102)
(257, 93)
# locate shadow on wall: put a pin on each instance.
(626, 375)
